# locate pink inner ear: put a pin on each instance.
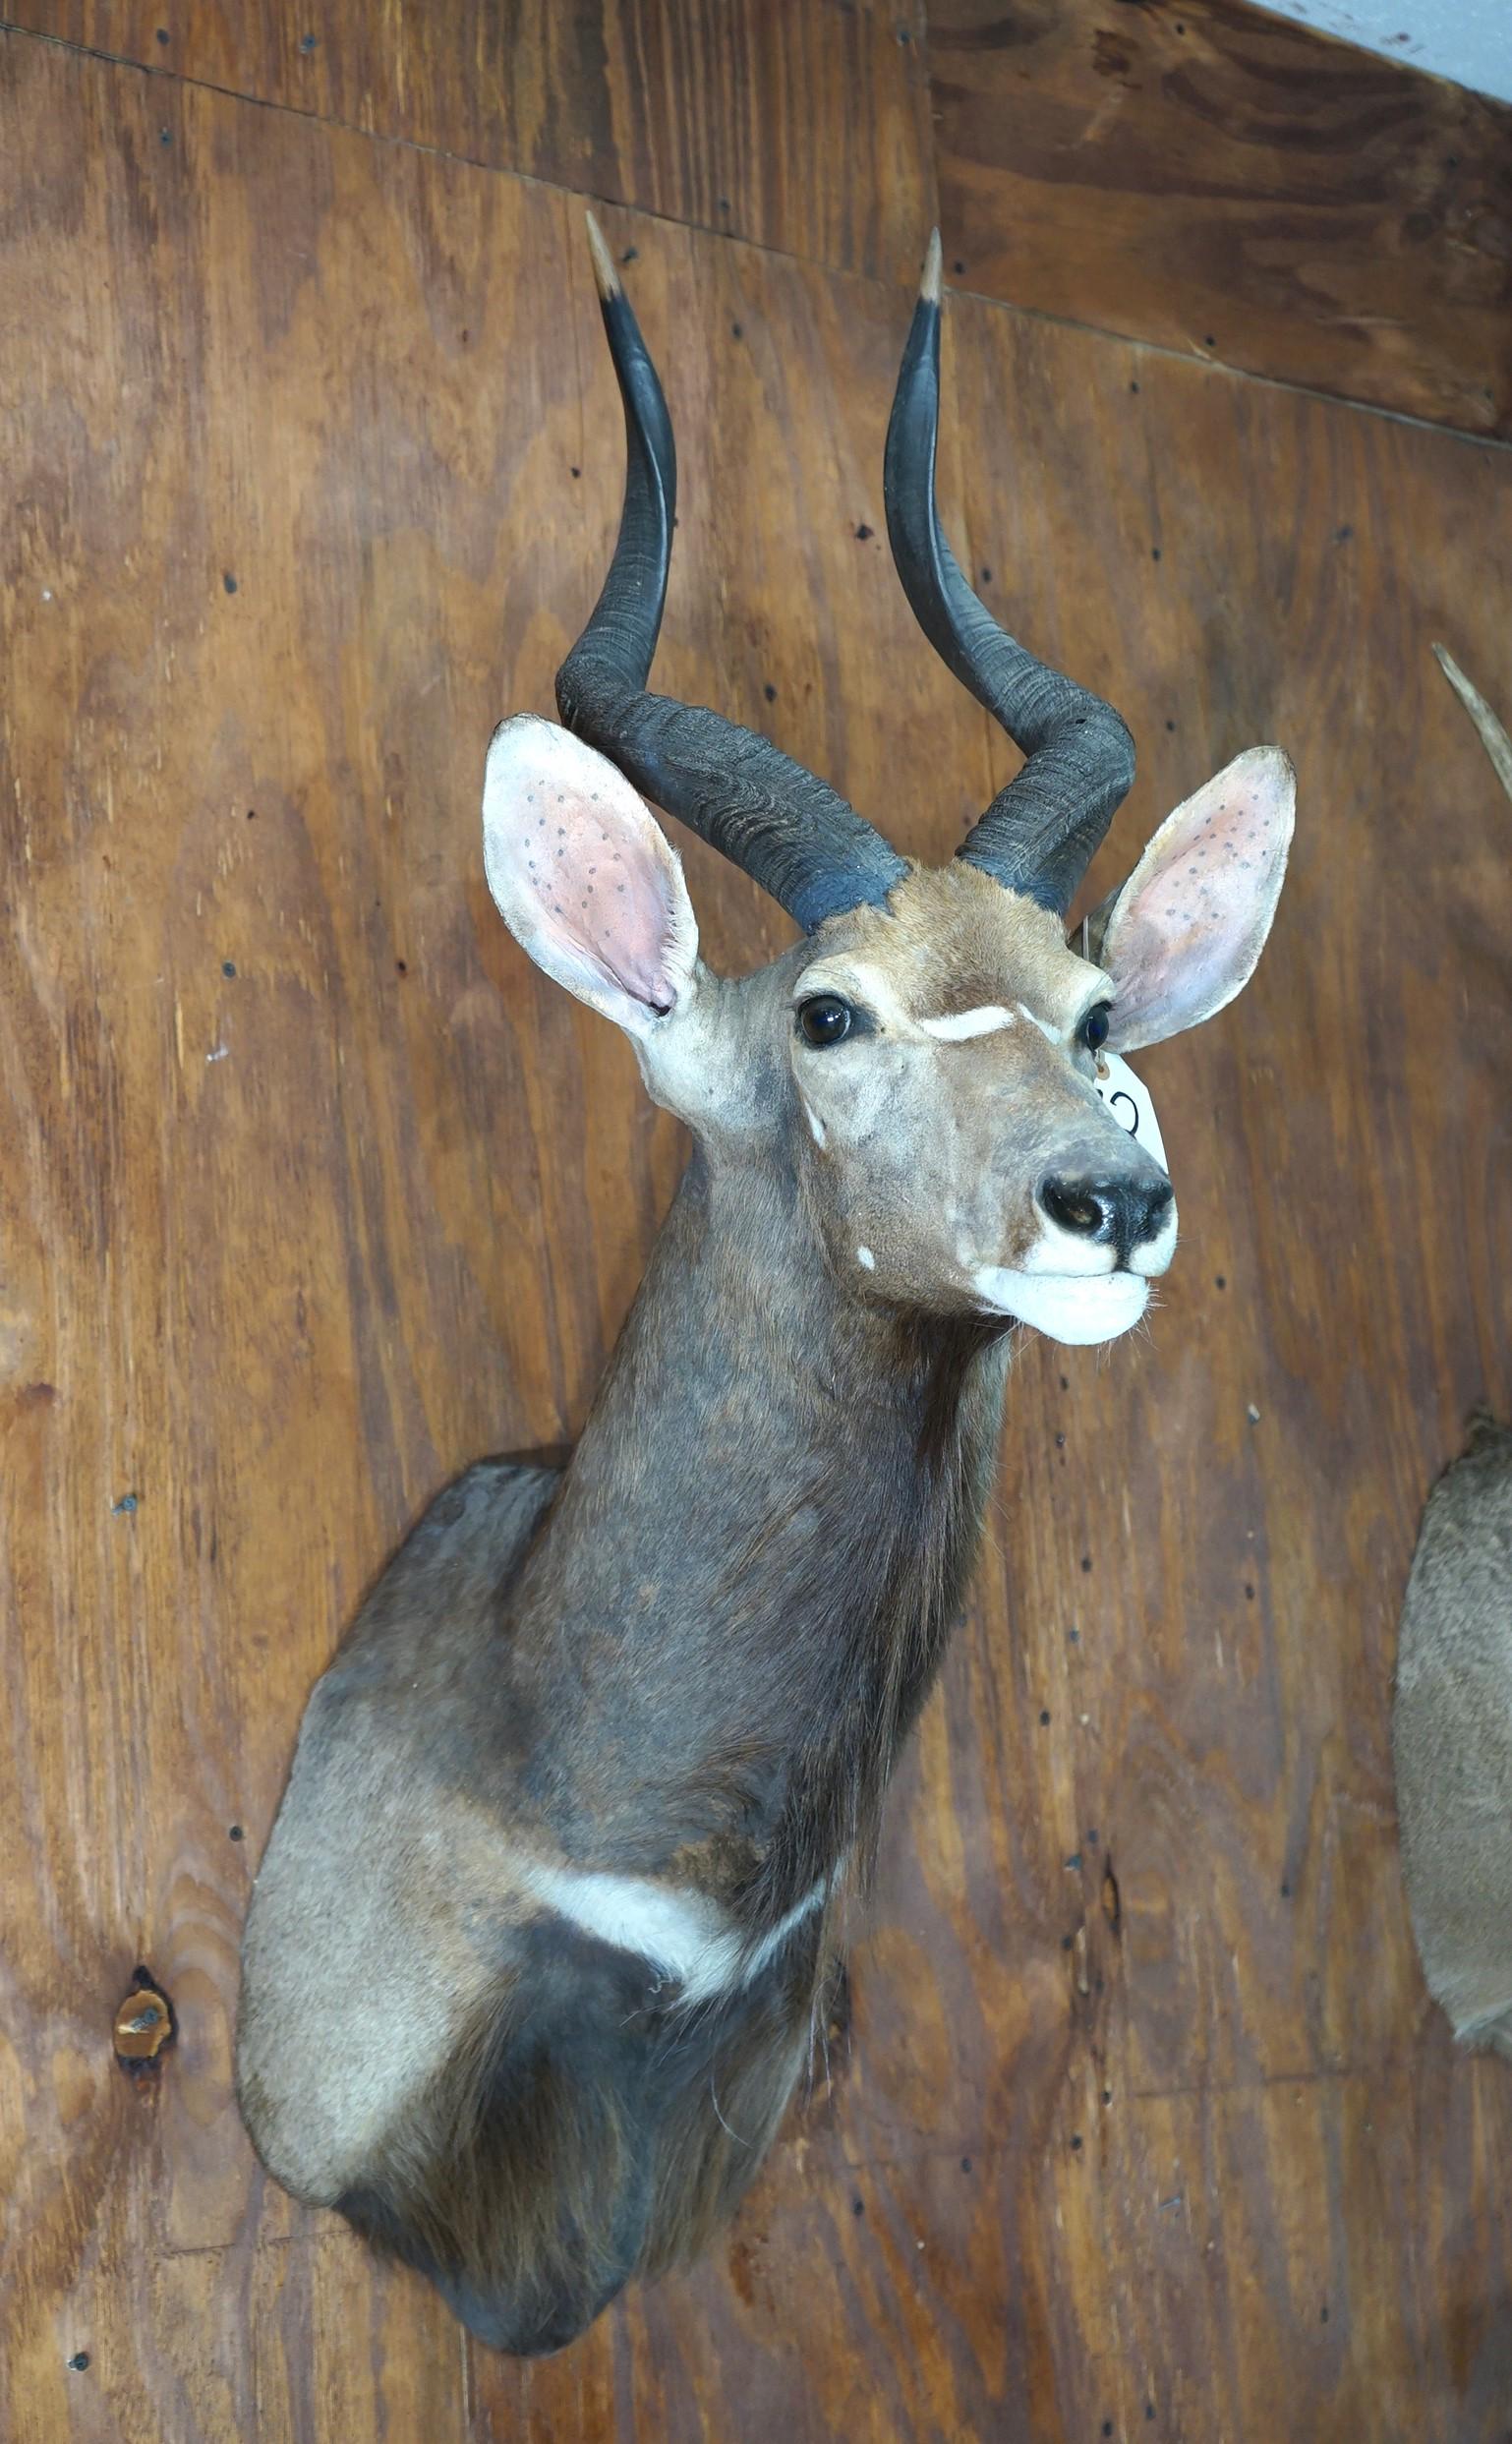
(582, 872)
(1191, 923)
(1184, 915)
(603, 900)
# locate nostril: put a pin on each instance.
(1124, 1214)
(1159, 1198)
(1076, 1205)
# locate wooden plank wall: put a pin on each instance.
(312, 1191)
(1224, 183)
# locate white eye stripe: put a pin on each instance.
(873, 993)
(963, 1023)
(1052, 1034)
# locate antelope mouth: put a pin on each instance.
(1076, 1309)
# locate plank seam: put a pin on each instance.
(759, 246)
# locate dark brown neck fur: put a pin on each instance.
(757, 1553)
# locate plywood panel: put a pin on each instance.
(804, 126)
(1180, 1893)
(283, 1248)
(313, 1191)
(1229, 184)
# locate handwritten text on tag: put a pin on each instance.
(1128, 1099)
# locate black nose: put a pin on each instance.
(1122, 1213)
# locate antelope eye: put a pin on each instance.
(1093, 1030)
(826, 1020)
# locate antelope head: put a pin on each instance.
(928, 1057)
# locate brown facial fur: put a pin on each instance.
(933, 1151)
(952, 939)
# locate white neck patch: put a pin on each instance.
(682, 1934)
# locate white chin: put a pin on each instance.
(1076, 1310)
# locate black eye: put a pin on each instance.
(1093, 1030)
(826, 1020)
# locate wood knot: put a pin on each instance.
(143, 2023)
(1112, 1898)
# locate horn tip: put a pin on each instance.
(605, 278)
(929, 279)
(1453, 674)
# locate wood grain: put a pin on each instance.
(803, 124)
(293, 1132)
(1230, 183)
(1140, 2079)
(1227, 1527)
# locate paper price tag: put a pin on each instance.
(1128, 1099)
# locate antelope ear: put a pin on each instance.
(584, 876)
(1186, 932)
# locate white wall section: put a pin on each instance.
(1467, 40)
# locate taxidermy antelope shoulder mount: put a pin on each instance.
(549, 1907)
